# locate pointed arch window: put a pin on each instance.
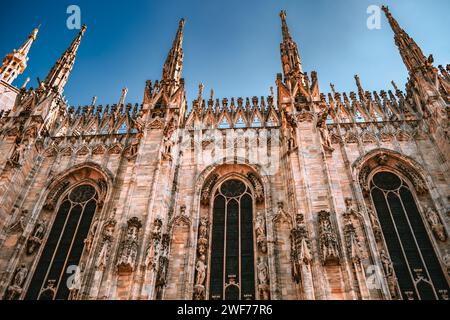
(414, 259)
(64, 245)
(232, 270)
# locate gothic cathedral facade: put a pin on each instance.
(299, 195)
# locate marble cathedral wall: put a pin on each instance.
(293, 196)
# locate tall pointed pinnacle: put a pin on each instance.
(15, 63)
(411, 53)
(59, 74)
(284, 26)
(123, 96)
(174, 62)
(290, 57)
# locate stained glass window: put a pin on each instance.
(232, 274)
(415, 262)
(64, 245)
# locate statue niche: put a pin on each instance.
(201, 265)
(15, 289)
(129, 250)
(36, 238)
(328, 240)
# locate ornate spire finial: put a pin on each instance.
(27, 80)
(201, 87)
(35, 32)
(394, 24)
(411, 53)
(123, 96)
(181, 24)
(394, 85)
(333, 90)
(174, 62)
(360, 88)
(59, 74)
(15, 63)
(285, 29)
(290, 58)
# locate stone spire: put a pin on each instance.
(284, 27)
(290, 57)
(174, 62)
(360, 88)
(411, 53)
(123, 96)
(201, 88)
(15, 63)
(59, 74)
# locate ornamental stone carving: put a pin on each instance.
(163, 264)
(260, 231)
(263, 279)
(91, 234)
(376, 226)
(105, 247)
(201, 265)
(257, 185)
(446, 259)
(388, 269)
(17, 157)
(129, 249)
(55, 194)
(300, 248)
(151, 254)
(206, 191)
(36, 238)
(281, 214)
(436, 224)
(323, 129)
(167, 145)
(364, 179)
(168, 142)
(417, 181)
(328, 240)
(353, 244)
(16, 287)
(18, 225)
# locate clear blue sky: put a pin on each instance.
(231, 46)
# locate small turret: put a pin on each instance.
(15, 63)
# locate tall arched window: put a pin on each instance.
(64, 245)
(232, 269)
(416, 265)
